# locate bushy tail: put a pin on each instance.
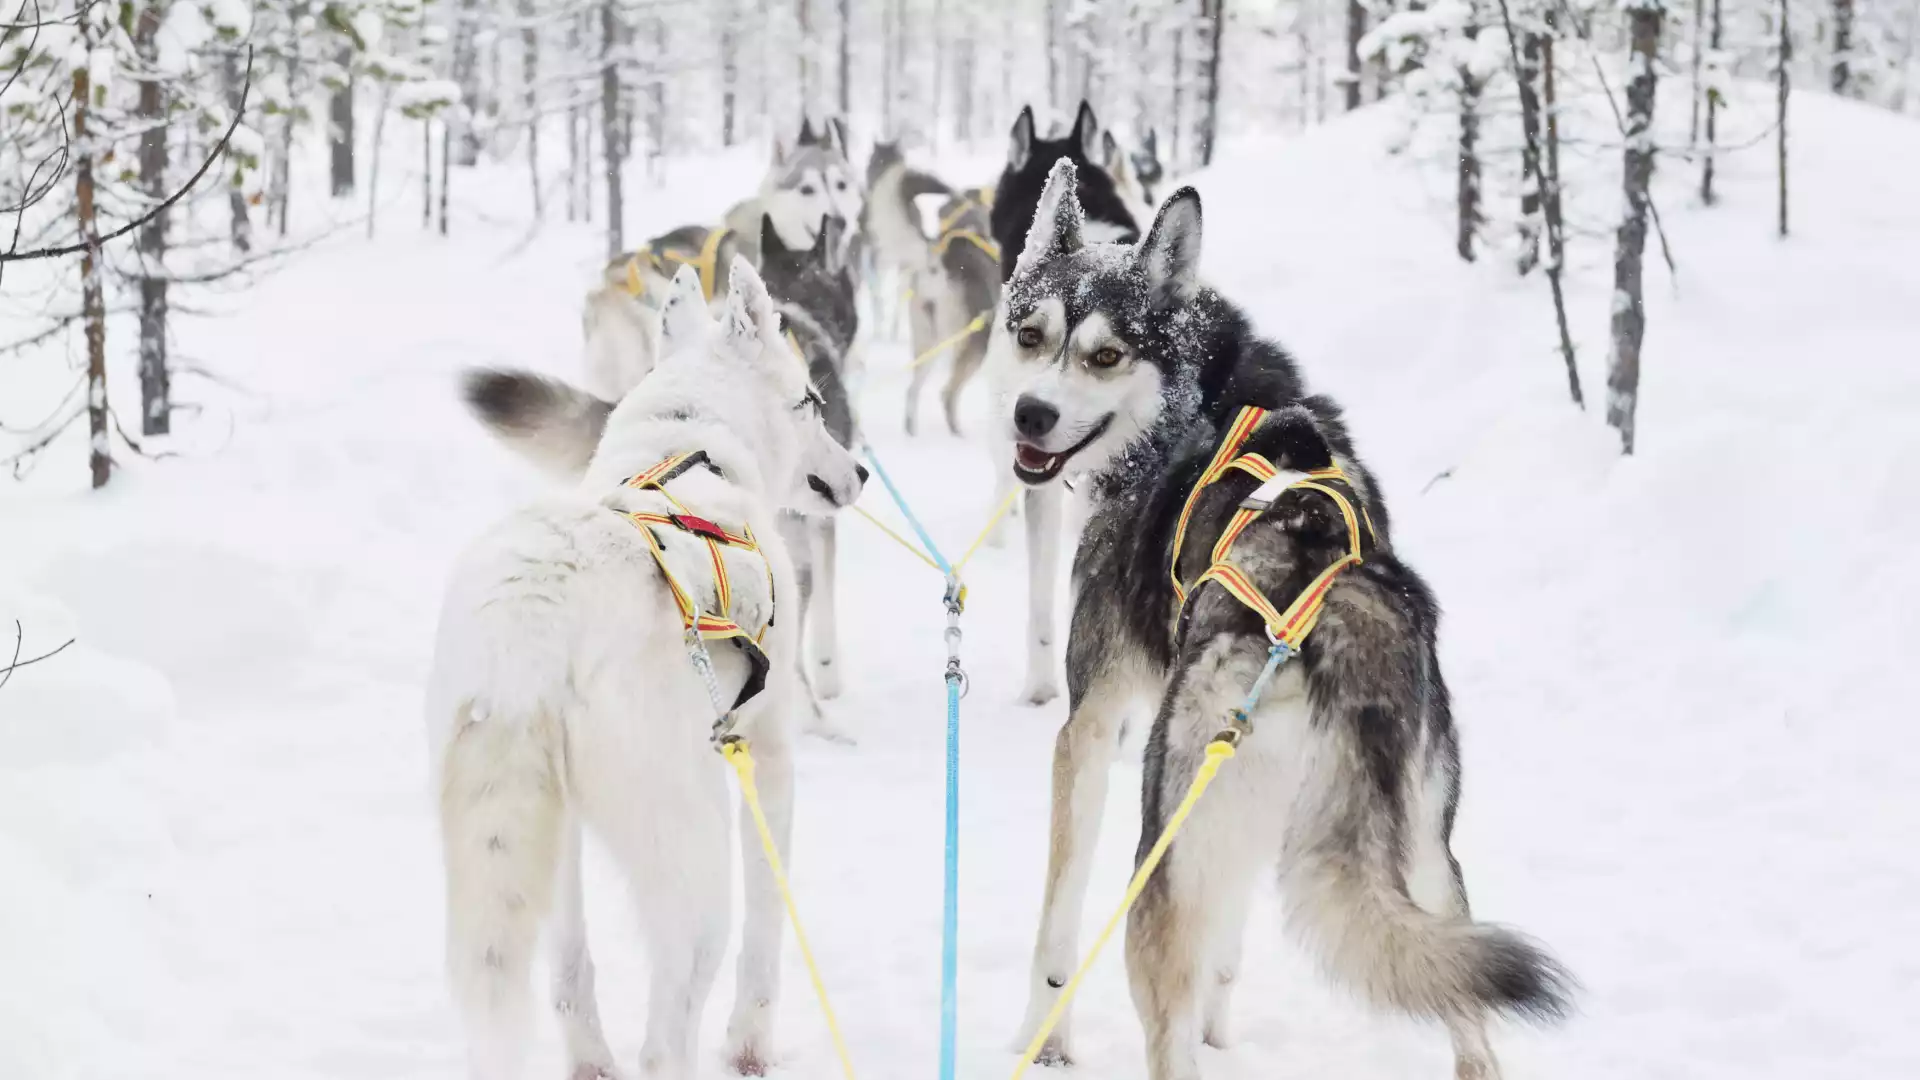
(1372, 935)
(551, 423)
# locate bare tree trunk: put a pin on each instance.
(240, 220)
(657, 100)
(1526, 66)
(1179, 91)
(373, 154)
(1713, 110)
(576, 168)
(1629, 316)
(939, 67)
(1699, 51)
(530, 75)
(446, 170)
(1356, 29)
(1468, 172)
(1550, 205)
(1842, 49)
(963, 83)
(890, 49)
(1055, 17)
(729, 72)
(340, 125)
(1210, 117)
(846, 59)
(1786, 59)
(612, 146)
(466, 73)
(156, 407)
(805, 46)
(426, 172)
(93, 291)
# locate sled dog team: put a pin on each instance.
(705, 462)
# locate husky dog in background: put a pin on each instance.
(814, 181)
(562, 694)
(622, 316)
(622, 319)
(1106, 217)
(893, 232)
(815, 295)
(1125, 368)
(959, 285)
(1137, 174)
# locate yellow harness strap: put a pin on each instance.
(715, 625)
(950, 233)
(703, 262)
(1292, 625)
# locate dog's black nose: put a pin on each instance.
(861, 472)
(1033, 417)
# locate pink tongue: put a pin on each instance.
(1032, 457)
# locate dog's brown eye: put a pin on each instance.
(1029, 337)
(1106, 356)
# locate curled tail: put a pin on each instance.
(549, 422)
(1349, 903)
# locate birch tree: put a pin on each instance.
(1644, 19)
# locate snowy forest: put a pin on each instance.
(1602, 288)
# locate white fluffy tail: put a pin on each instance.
(501, 813)
(1350, 905)
(550, 423)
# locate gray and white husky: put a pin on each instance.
(1125, 368)
(622, 312)
(562, 695)
(815, 294)
(1106, 216)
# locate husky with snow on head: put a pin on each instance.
(1106, 217)
(813, 181)
(563, 696)
(1126, 369)
(814, 292)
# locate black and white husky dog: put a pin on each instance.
(1105, 217)
(1126, 370)
(817, 298)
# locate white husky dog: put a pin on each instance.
(563, 695)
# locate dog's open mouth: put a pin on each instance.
(1033, 465)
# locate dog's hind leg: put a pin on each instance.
(757, 995)
(1083, 756)
(588, 1057)
(967, 357)
(925, 335)
(1043, 568)
(501, 814)
(682, 874)
(1192, 914)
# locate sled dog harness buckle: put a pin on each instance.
(703, 625)
(1285, 629)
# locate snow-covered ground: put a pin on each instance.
(1691, 762)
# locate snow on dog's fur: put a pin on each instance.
(562, 696)
(1124, 367)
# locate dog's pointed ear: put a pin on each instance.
(1021, 148)
(807, 137)
(771, 246)
(1151, 144)
(1109, 150)
(837, 137)
(1056, 223)
(684, 319)
(1086, 133)
(750, 320)
(1170, 254)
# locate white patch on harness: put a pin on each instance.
(1263, 496)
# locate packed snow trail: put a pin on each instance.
(1680, 678)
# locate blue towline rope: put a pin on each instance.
(956, 680)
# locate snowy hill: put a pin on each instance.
(1680, 676)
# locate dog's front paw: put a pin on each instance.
(749, 1049)
(1040, 689)
(588, 1070)
(826, 680)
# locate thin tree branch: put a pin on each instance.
(212, 156)
(19, 639)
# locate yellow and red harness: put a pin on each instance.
(714, 625)
(1291, 626)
